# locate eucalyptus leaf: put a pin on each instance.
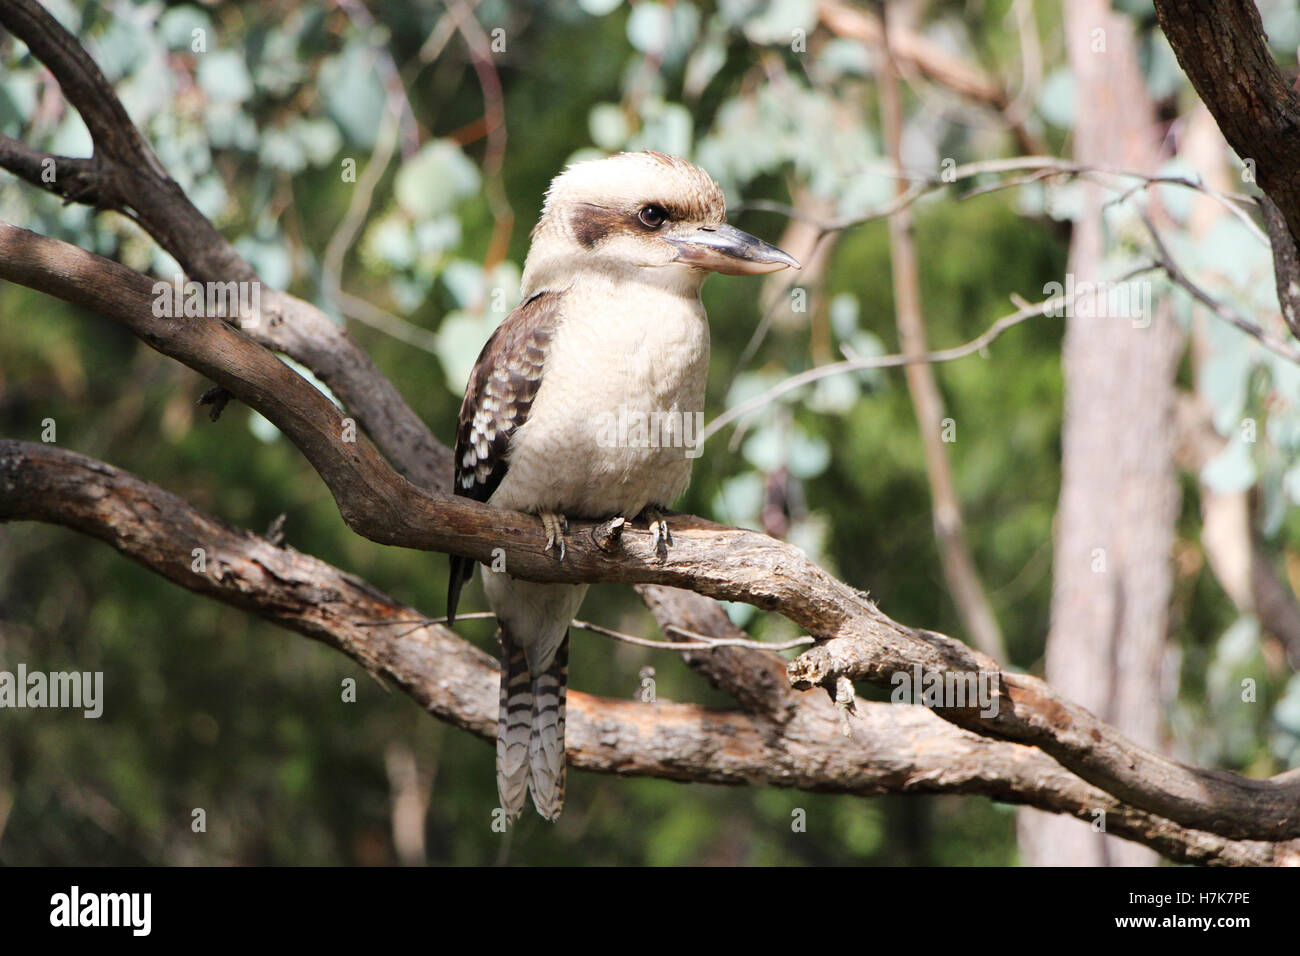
(808, 456)
(779, 20)
(1056, 98)
(650, 27)
(177, 25)
(460, 340)
(1232, 470)
(354, 95)
(223, 75)
(740, 498)
(608, 126)
(435, 180)
(600, 8)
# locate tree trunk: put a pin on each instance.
(1119, 494)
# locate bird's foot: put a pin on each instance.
(556, 527)
(660, 536)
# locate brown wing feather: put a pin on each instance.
(498, 398)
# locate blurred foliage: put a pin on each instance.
(268, 115)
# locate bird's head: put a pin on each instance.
(653, 216)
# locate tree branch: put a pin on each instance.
(729, 564)
(1222, 48)
(125, 174)
(725, 563)
(897, 748)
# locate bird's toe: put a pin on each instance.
(556, 527)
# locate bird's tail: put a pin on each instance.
(546, 742)
(462, 569)
(514, 723)
(530, 730)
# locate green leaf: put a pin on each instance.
(667, 127)
(435, 180)
(608, 126)
(650, 27)
(270, 259)
(740, 498)
(389, 240)
(319, 137)
(117, 49)
(1056, 99)
(777, 23)
(1223, 377)
(808, 455)
(703, 65)
(177, 25)
(354, 95)
(840, 57)
(599, 8)
(1232, 470)
(465, 281)
(280, 149)
(224, 77)
(460, 339)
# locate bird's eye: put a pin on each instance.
(652, 216)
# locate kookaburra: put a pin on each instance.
(611, 325)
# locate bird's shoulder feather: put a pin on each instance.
(500, 393)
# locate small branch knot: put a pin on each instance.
(609, 535)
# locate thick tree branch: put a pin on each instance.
(724, 563)
(378, 503)
(126, 175)
(756, 679)
(897, 748)
(1222, 48)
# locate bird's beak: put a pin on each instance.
(727, 250)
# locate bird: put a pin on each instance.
(610, 323)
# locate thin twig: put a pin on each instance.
(977, 344)
(924, 183)
(1288, 350)
(703, 642)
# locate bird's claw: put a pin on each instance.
(659, 533)
(556, 527)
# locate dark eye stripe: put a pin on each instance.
(592, 223)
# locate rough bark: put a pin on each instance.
(896, 748)
(724, 563)
(730, 564)
(1222, 48)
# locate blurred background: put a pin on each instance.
(386, 162)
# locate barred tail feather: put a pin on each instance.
(546, 741)
(514, 720)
